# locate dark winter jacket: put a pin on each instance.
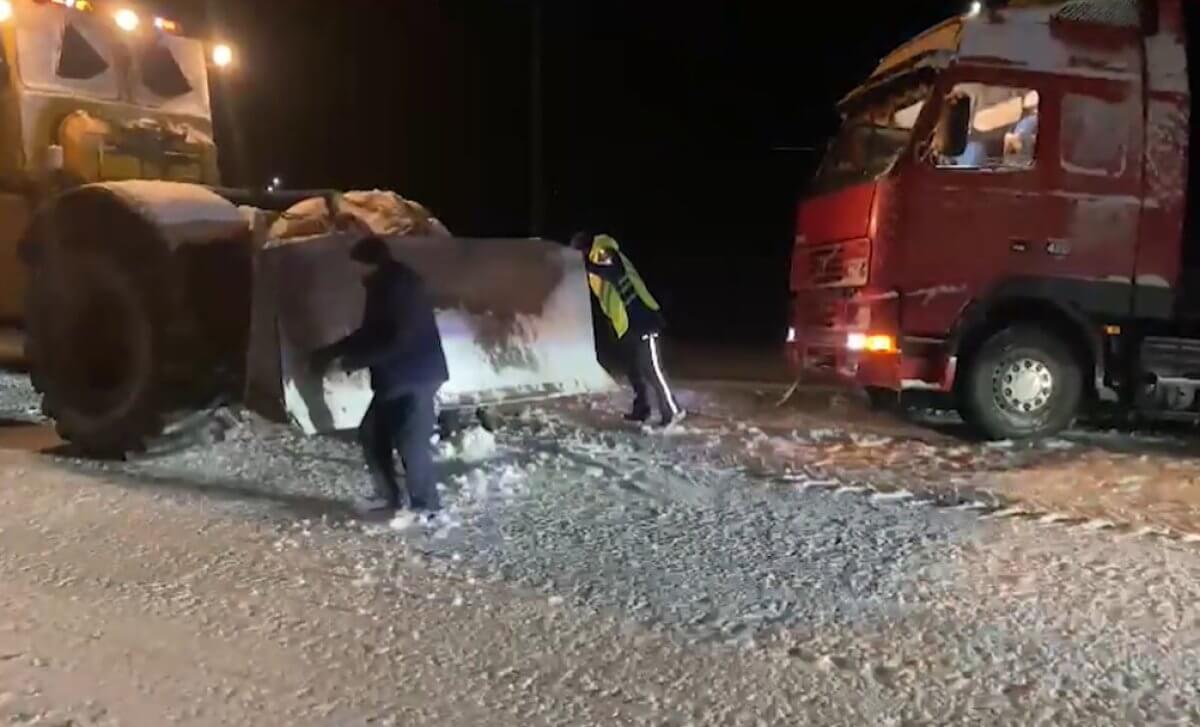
(398, 339)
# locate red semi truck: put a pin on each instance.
(1008, 219)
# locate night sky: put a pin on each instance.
(672, 125)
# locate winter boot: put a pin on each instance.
(670, 419)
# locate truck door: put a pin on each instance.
(1038, 202)
(1096, 193)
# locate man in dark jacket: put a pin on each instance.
(400, 344)
(636, 319)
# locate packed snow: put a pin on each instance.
(184, 212)
(909, 568)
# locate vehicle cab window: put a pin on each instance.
(875, 132)
(991, 128)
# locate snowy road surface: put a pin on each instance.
(589, 574)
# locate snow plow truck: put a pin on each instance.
(1009, 219)
(147, 291)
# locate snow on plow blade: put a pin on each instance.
(514, 315)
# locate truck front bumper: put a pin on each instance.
(917, 364)
(855, 337)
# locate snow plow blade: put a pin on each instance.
(514, 315)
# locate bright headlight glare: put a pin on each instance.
(222, 55)
(127, 20)
(871, 343)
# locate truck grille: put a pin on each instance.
(827, 309)
(839, 264)
(813, 313)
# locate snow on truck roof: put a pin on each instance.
(1017, 37)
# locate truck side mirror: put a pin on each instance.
(956, 126)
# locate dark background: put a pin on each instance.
(672, 125)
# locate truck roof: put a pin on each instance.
(1018, 37)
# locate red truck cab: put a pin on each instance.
(1000, 220)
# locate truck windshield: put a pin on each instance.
(875, 130)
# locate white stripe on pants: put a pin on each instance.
(666, 397)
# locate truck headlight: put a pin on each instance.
(222, 56)
(127, 20)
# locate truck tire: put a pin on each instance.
(94, 336)
(1022, 383)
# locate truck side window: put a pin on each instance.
(1001, 133)
(1095, 136)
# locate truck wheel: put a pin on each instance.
(94, 337)
(1022, 383)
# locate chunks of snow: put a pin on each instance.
(470, 445)
(403, 520)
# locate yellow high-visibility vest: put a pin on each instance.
(615, 298)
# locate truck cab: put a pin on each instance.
(1000, 220)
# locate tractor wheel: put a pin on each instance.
(1023, 383)
(94, 336)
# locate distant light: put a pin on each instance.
(222, 56)
(975, 9)
(127, 20)
(166, 25)
(276, 182)
(791, 334)
(6, 11)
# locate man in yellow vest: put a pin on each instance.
(637, 321)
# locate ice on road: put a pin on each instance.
(737, 596)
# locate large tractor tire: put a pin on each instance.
(1022, 383)
(94, 334)
(137, 310)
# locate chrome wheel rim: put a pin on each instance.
(1023, 386)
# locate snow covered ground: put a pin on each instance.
(888, 574)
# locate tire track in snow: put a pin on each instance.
(986, 503)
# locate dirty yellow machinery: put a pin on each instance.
(147, 290)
